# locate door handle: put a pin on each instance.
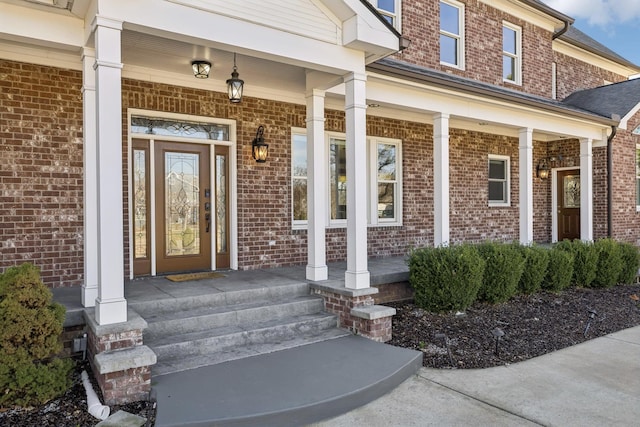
(207, 218)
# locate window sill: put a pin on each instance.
(499, 205)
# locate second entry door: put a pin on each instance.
(568, 192)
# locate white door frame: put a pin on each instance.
(233, 178)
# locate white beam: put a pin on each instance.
(316, 187)
(586, 190)
(111, 307)
(525, 164)
(357, 274)
(441, 179)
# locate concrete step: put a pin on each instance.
(225, 337)
(163, 324)
(173, 365)
(210, 297)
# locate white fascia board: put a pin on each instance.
(40, 27)
(625, 120)
(223, 32)
(430, 99)
(526, 13)
(568, 49)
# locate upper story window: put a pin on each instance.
(389, 9)
(452, 33)
(384, 185)
(498, 180)
(511, 53)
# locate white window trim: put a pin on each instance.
(518, 55)
(637, 177)
(507, 161)
(372, 216)
(458, 37)
(395, 17)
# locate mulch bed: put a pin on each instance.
(532, 325)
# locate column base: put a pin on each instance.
(357, 279)
(89, 296)
(317, 273)
(109, 312)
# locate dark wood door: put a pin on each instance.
(183, 200)
(568, 205)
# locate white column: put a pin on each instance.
(90, 185)
(526, 185)
(440, 179)
(316, 187)
(111, 307)
(357, 274)
(586, 190)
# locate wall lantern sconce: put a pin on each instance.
(542, 170)
(259, 149)
(201, 69)
(234, 84)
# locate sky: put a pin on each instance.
(614, 23)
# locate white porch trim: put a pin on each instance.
(525, 164)
(111, 306)
(90, 188)
(357, 274)
(316, 187)
(586, 189)
(440, 179)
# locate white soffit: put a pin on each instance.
(519, 10)
(580, 54)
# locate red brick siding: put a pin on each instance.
(483, 45)
(41, 171)
(573, 75)
(626, 220)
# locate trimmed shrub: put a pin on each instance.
(30, 327)
(559, 270)
(536, 260)
(609, 263)
(630, 263)
(445, 278)
(504, 264)
(585, 260)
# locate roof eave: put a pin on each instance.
(434, 80)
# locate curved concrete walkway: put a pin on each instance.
(596, 383)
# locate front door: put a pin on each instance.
(182, 207)
(568, 204)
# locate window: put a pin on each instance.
(637, 177)
(384, 187)
(511, 54)
(498, 180)
(389, 10)
(452, 33)
(299, 178)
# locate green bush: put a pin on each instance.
(536, 260)
(585, 260)
(630, 263)
(609, 263)
(504, 264)
(30, 327)
(559, 270)
(445, 278)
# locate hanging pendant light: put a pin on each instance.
(234, 84)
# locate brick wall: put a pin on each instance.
(41, 171)
(573, 75)
(483, 45)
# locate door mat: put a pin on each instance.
(193, 276)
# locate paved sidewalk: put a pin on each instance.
(596, 383)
